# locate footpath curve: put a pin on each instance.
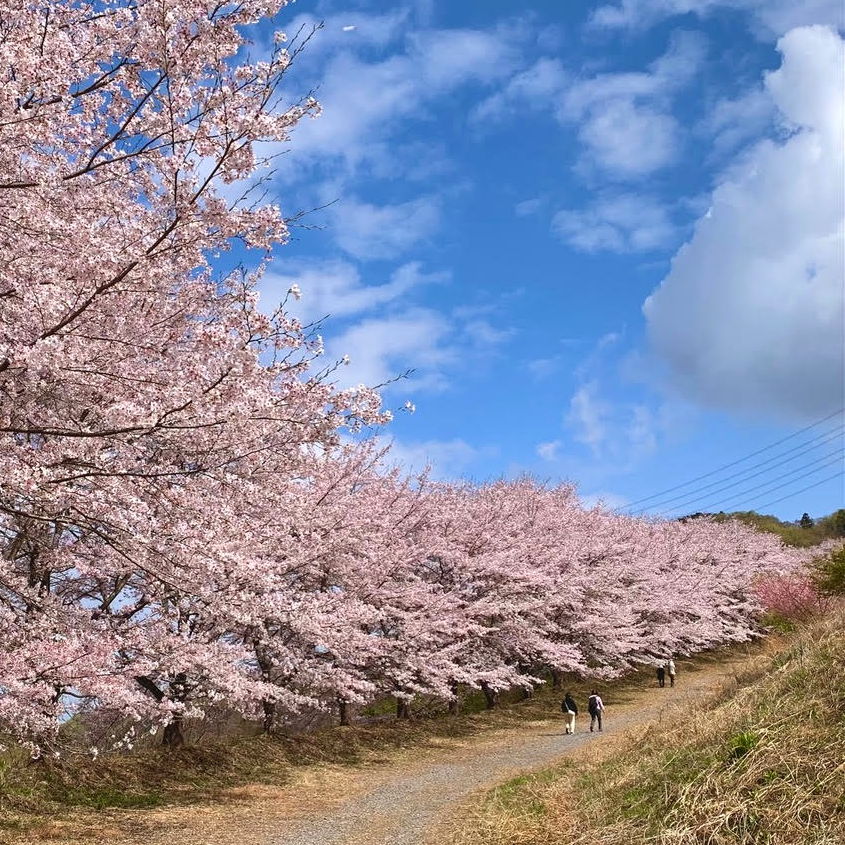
(405, 801)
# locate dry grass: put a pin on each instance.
(766, 766)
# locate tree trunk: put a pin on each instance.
(173, 736)
(403, 708)
(455, 702)
(491, 696)
(268, 705)
(268, 723)
(557, 680)
(343, 711)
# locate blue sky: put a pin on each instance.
(606, 238)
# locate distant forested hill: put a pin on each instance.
(803, 532)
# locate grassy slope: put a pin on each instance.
(765, 767)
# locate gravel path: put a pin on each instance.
(412, 802)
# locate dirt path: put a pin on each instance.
(400, 801)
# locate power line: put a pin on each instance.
(738, 460)
(676, 504)
(802, 490)
(801, 449)
(712, 503)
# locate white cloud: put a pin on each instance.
(630, 140)
(378, 327)
(528, 207)
(430, 344)
(335, 288)
(382, 348)
(620, 223)
(588, 415)
(368, 231)
(366, 102)
(616, 431)
(445, 58)
(751, 313)
(624, 119)
(550, 451)
(605, 500)
(770, 17)
(533, 88)
(446, 459)
(483, 333)
(730, 123)
(542, 368)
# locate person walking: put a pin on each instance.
(570, 710)
(661, 676)
(595, 707)
(670, 670)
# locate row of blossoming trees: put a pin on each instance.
(181, 524)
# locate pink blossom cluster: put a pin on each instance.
(182, 525)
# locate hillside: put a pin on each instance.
(802, 533)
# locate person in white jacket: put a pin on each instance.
(570, 710)
(670, 671)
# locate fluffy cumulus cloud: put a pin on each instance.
(417, 343)
(624, 120)
(751, 313)
(617, 223)
(444, 459)
(616, 432)
(368, 103)
(335, 289)
(368, 231)
(772, 17)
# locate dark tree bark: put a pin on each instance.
(454, 703)
(403, 708)
(343, 711)
(173, 736)
(268, 705)
(268, 723)
(557, 680)
(491, 696)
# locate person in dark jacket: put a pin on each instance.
(570, 710)
(595, 707)
(661, 675)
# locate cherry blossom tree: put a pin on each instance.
(139, 391)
